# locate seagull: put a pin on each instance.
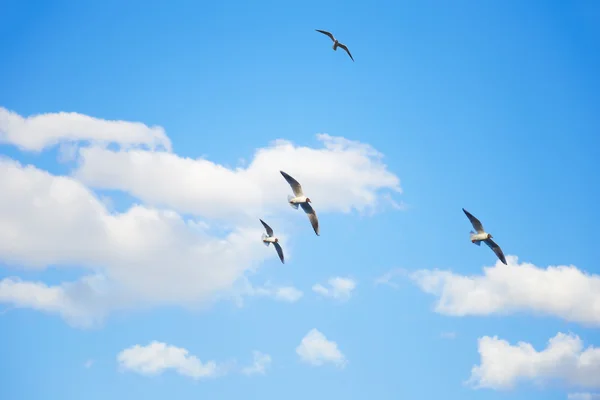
(269, 238)
(483, 236)
(301, 200)
(336, 43)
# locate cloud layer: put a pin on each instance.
(341, 176)
(164, 249)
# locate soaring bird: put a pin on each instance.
(301, 200)
(336, 42)
(268, 238)
(483, 236)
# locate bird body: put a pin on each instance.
(478, 237)
(299, 199)
(482, 236)
(336, 43)
(269, 238)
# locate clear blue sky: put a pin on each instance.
(491, 106)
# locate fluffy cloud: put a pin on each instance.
(563, 291)
(157, 357)
(141, 256)
(340, 288)
(35, 133)
(564, 359)
(260, 364)
(341, 176)
(316, 350)
(146, 255)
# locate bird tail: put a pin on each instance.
(263, 237)
(294, 206)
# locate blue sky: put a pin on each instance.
(490, 106)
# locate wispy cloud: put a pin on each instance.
(259, 366)
(386, 278)
(583, 396)
(339, 288)
(448, 335)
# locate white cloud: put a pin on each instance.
(157, 357)
(144, 255)
(562, 291)
(316, 350)
(342, 176)
(564, 359)
(583, 396)
(37, 132)
(259, 366)
(76, 302)
(386, 279)
(340, 288)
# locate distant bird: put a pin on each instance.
(268, 238)
(336, 43)
(301, 200)
(483, 236)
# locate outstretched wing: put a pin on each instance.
(474, 221)
(312, 216)
(326, 33)
(492, 245)
(267, 227)
(343, 46)
(279, 251)
(294, 184)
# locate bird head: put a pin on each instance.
(307, 200)
(489, 236)
(276, 240)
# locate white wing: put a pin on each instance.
(294, 184)
(312, 216)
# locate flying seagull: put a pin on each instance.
(483, 236)
(336, 43)
(299, 199)
(268, 238)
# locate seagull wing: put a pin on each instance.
(326, 33)
(492, 245)
(343, 46)
(294, 184)
(312, 216)
(279, 251)
(267, 227)
(474, 221)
